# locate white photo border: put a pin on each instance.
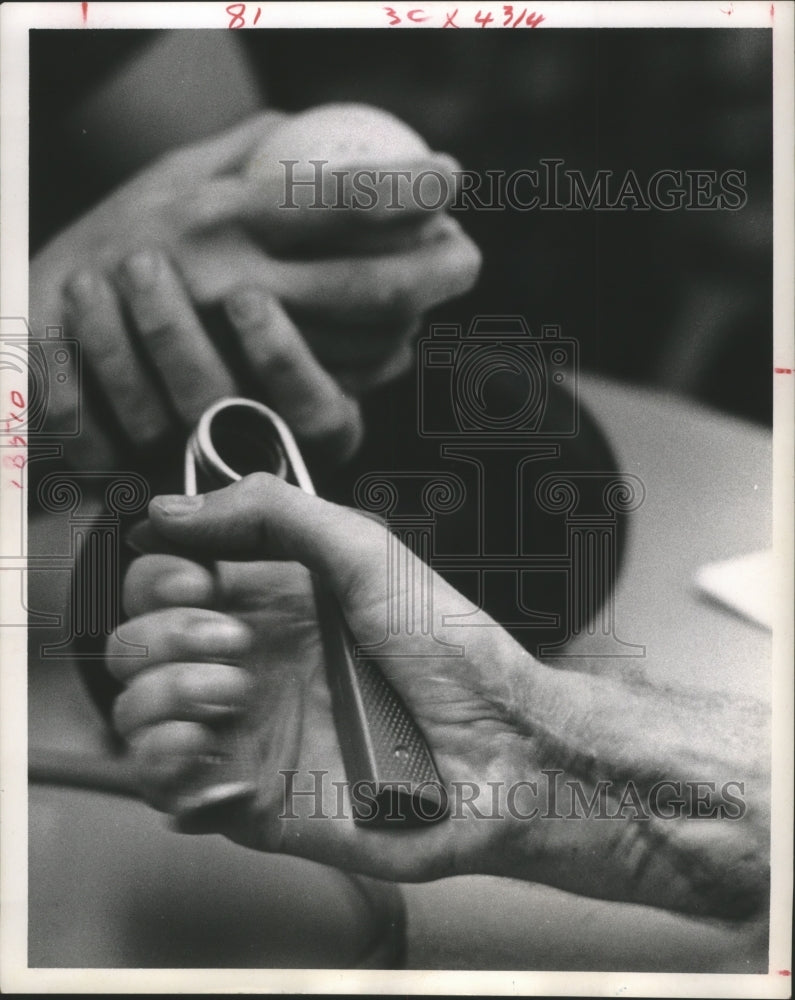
(16, 19)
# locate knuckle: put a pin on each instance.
(180, 693)
(255, 492)
(256, 484)
(146, 573)
(160, 336)
(148, 430)
(107, 353)
(140, 270)
(91, 449)
(82, 292)
(277, 365)
(134, 583)
(169, 693)
(143, 747)
(178, 631)
(127, 634)
(251, 307)
(165, 633)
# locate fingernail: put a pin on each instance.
(214, 710)
(229, 695)
(177, 504)
(141, 269)
(182, 587)
(217, 635)
(249, 305)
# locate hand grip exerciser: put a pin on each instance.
(391, 775)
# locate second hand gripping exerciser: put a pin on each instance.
(387, 760)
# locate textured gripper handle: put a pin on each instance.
(391, 774)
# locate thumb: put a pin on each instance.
(379, 584)
(262, 517)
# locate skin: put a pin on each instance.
(195, 229)
(241, 643)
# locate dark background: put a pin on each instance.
(680, 300)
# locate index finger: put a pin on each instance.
(189, 367)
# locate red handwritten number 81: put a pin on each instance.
(237, 14)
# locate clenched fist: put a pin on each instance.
(622, 789)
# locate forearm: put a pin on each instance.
(638, 793)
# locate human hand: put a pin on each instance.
(224, 229)
(505, 730)
(161, 369)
